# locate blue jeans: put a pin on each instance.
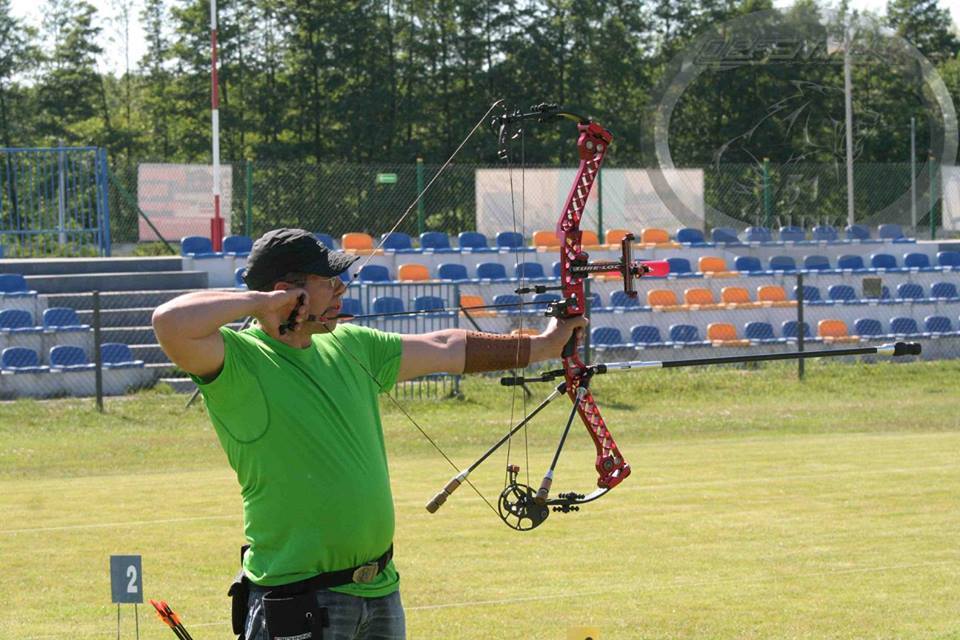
(351, 617)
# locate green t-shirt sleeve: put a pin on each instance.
(235, 399)
(380, 352)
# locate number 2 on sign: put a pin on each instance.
(132, 574)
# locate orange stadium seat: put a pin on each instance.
(772, 295)
(662, 298)
(724, 334)
(413, 271)
(589, 238)
(698, 297)
(834, 331)
(614, 236)
(470, 302)
(735, 296)
(712, 264)
(546, 239)
(356, 242)
(653, 235)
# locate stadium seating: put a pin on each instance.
(116, 355)
(588, 238)
(662, 298)
(944, 259)
(654, 235)
(428, 303)
(792, 234)
(373, 273)
(883, 262)
(17, 321)
(396, 241)
(546, 239)
(435, 241)
(758, 234)
(351, 306)
(785, 264)
(198, 248)
(824, 233)
(816, 263)
(938, 325)
(680, 267)
(491, 271)
(789, 330)
(724, 235)
(359, 242)
(760, 332)
(748, 264)
(621, 300)
(387, 304)
(841, 293)
(472, 304)
(452, 271)
(684, 334)
(868, 328)
(724, 334)
(238, 274)
(326, 239)
(712, 265)
(810, 293)
(606, 337)
(772, 295)
(735, 296)
(473, 241)
(890, 232)
(850, 262)
(833, 330)
(614, 236)
(698, 297)
(69, 358)
(413, 272)
(14, 285)
(943, 291)
(917, 261)
(529, 271)
(857, 232)
(643, 335)
(903, 326)
(690, 236)
(509, 240)
(21, 360)
(910, 291)
(237, 246)
(62, 319)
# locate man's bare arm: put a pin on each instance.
(187, 327)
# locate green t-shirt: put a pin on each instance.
(301, 427)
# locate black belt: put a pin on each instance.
(361, 574)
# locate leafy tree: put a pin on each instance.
(16, 55)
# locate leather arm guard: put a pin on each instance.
(494, 352)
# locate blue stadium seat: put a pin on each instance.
(428, 303)
(901, 326)
(396, 241)
(910, 291)
(816, 263)
(238, 274)
(857, 232)
(684, 333)
(473, 241)
(387, 304)
(435, 241)
(237, 246)
(792, 234)
(938, 324)
(760, 332)
(944, 259)
(890, 232)
(919, 261)
(645, 335)
(69, 358)
(326, 239)
(351, 306)
(824, 233)
(850, 262)
(841, 293)
(810, 293)
(621, 299)
(782, 263)
(545, 298)
(14, 285)
(452, 271)
(374, 273)
(943, 290)
(491, 271)
(748, 264)
(510, 240)
(62, 319)
(17, 321)
(508, 298)
(883, 261)
(679, 267)
(724, 235)
(758, 234)
(605, 336)
(116, 355)
(867, 327)
(594, 302)
(529, 271)
(557, 269)
(789, 330)
(21, 360)
(198, 247)
(691, 236)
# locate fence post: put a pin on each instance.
(248, 222)
(97, 359)
(800, 335)
(932, 167)
(420, 212)
(103, 189)
(767, 204)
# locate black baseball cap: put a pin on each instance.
(281, 251)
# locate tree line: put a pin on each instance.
(374, 81)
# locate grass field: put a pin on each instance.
(758, 507)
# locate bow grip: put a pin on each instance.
(571, 347)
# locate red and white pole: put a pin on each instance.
(216, 223)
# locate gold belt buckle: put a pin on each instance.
(366, 573)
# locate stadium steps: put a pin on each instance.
(120, 281)
(134, 299)
(80, 266)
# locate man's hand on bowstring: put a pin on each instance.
(551, 341)
(276, 309)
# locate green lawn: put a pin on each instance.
(758, 507)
